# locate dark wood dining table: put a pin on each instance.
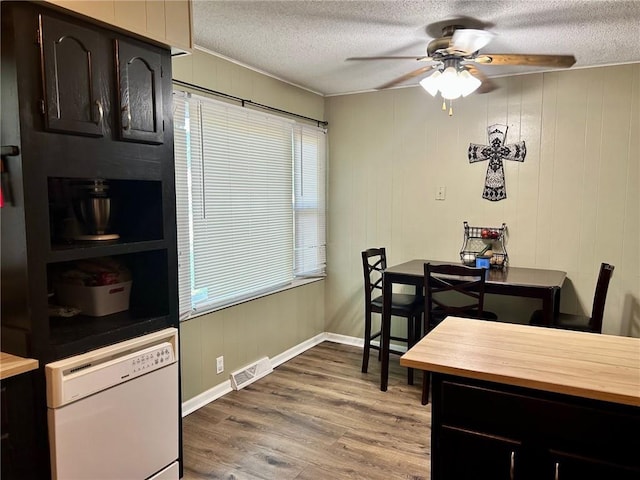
(516, 281)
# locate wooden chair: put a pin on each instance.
(407, 306)
(583, 323)
(452, 290)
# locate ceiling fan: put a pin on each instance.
(454, 57)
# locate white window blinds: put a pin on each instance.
(241, 219)
(309, 200)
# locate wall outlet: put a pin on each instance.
(441, 193)
(220, 364)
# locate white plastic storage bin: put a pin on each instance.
(95, 301)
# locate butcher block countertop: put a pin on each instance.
(589, 365)
(11, 365)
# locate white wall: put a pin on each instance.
(571, 205)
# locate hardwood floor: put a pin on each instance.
(315, 417)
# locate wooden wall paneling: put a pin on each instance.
(178, 24)
(465, 180)
(131, 15)
(255, 325)
(569, 171)
(545, 222)
(370, 140)
(512, 169)
(204, 70)
(418, 194)
(467, 187)
(182, 67)
(592, 164)
(618, 114)
(155, 18)
(629, 278)
(213, 335)
(386, 176)
(232, 336)
(103, 10)
(344, 271)
(522, 235)
(224, 78)
(191, 342)
(241, 82)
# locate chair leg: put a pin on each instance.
(367, 342)
(411, 340)
(426, 380)
(418, 329)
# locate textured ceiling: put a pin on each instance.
(306, 42)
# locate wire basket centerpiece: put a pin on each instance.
(484, 242)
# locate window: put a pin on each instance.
(250, 202)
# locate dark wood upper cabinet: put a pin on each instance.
(71, 74)
(139, 73)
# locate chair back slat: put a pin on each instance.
(600, 297)
(449, 288)
(374, 263)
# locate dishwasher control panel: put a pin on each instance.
(78, 377)
(151, 360)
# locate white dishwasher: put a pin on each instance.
(113, 412)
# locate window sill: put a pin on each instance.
(298, 282)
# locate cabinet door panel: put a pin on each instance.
(470, 455)
(140, 93)
(574, 467)
(71, 72)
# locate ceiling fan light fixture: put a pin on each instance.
(450, 93)
(449, 75)
(431, 83)
(468, 83)
(451, 82)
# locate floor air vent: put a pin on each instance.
(249, 374)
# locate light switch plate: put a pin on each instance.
(441, 193)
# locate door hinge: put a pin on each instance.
(161, 72)
(42, 106)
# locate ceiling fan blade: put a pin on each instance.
(419, 58)
(559, 61)
(406, 77)
(487, 84)
(469, 40)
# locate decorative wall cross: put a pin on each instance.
(495, 152)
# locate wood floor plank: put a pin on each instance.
(315, 417)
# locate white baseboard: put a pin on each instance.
(344, 339)
(298, 349)
(199, 401)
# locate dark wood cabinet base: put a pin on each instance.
(489, 430)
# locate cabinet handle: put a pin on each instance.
(512, 465)
(125, 108)
(100, 112)
(557, 476)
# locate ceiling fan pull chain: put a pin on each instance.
(444, 105)
(450, 108)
